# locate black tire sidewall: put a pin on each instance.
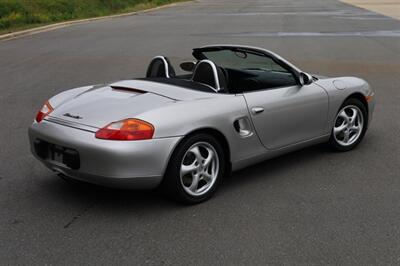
(332, 141)
(172, 185)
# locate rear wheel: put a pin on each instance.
(350, 125)
(195, 169)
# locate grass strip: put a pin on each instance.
(24, 14)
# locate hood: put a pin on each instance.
(97, 107)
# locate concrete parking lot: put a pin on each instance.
(389, 8)
(309, 207)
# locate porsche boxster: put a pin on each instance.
(235, 106)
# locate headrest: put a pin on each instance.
(160, 67)
(208, 73)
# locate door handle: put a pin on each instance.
(257, 110)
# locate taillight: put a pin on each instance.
(44, 111)
(128, 129)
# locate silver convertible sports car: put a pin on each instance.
(237, 106)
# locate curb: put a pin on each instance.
(59, 25)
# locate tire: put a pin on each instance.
(349, 126)
(195, 169)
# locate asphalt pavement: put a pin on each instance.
(309, 207)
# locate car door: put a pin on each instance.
(283, 111)
(288, 115)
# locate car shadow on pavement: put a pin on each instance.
(78, 193)
(274, 167)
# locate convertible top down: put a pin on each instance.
(237, 105)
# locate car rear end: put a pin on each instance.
(92, 137)
(73, 150)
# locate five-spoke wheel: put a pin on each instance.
(195, 169)
(199, 168)
(350, 125)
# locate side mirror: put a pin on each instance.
(188, 66)
(305, 79)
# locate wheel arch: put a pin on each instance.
(359, 96)
(216, 134)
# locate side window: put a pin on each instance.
(249, 71)
(265, 74)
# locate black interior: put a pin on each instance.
(230, 80)
(204, 74)
(253, 79)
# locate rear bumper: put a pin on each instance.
(123, 164)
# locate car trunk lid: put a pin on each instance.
(97, 107)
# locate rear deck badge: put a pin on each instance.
(72, 116)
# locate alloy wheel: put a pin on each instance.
(348, 125)
(199, 168)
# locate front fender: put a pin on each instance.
(341, 88)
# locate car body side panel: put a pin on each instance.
(182, 118)
(268, 154)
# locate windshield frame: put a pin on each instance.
(198, 53)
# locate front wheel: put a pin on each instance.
(195, 169)
(350, 125)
